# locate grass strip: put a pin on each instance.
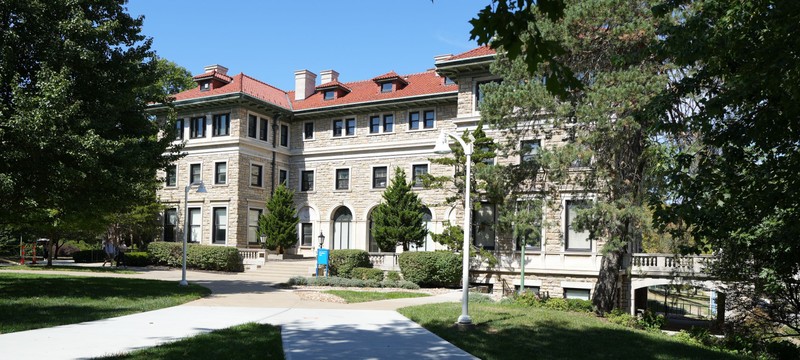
(351, 296)
(110, 269)
(509, 331)
(33, 301)
(242, 342)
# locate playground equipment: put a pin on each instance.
(28, 250)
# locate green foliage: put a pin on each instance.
(398, 219)
(367, 274)
(393, 276)
(345, 282)
(528, 298)
(88, 256)
(579, 305)
(173, 78)
(137, 258)
(431, 269)
(652, 321)
(556, 304)
(77, 144)
(620, 317)
(279, 224)
(203, 257)
(341, 262)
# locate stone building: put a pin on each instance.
(336, 144)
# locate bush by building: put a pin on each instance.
(88, 256)
(431, 269)
(342, 262)
(203, 257)
(367, 274)
(137, 258)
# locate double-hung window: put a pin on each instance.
(197, 128)
(413, 120)
(529, 149)
(221, 124)
(195, 224)
(374, 124)
(417, 172)
(179, 129)
(306, 234)
(484, 224)
(388, 123)
(307, 180)
(220, 173)
(195, 173)
(342, 179)
(252, 225)
(338, 126)
(170, 224)
(252, 126)
(350, 127)
(284, 135)
(220, 225)
(429, 119)
(283, 176)
(255, 175)
(308, 130)
(379, 177)
(172, 176)
(575, 240)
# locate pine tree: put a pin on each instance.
(398, 219)
(279, 224)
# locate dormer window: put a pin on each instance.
(205, 86)
(329, 95)
(386, 87)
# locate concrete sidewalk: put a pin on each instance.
(310, 329)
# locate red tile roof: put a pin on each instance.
(213, 74)
(332, 84)
(425, 83)
(241, 83)
(387, 76)
(477, 52)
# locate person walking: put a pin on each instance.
(110, 251)
(121, 255)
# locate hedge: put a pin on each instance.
(137, 258)
(88, 256)
(431, 269)
(367, 274)
(203, 257)
(342, 262)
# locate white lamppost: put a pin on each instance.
(201, 188)
(443, 148)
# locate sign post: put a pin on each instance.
(322, 259)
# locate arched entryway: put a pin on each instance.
(427, 220)
(342, 228)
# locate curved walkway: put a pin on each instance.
(310, 329)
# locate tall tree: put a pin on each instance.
(173, 78)
(75, 79)
(279, 224)
(603, 119)
(740, 190)
(398, 219)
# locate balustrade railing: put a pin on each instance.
(384, 260)
(643, 263)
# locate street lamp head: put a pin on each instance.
(321, 239)
(442, 147)
(201, 187)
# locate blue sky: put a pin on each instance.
(270, 39)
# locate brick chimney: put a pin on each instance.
(328, 76)
(304, 82)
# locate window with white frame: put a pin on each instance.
(256, 179)
(388, 123)
(308, 130)
(283, 177)
(417, 173)
(338, 127)
(197, 128)
(195, 173)
(374, 124)
(195, 224)
(306, 234)
(252, 226)
(582, 294)
(221, 124)
(220, 173)
(307, 180)
(179, 129)
(342, 228)
(427, 245)
(379, 174)
(219, 225)
(350, 127)
(575, 240)
(171, 178)
(413, 120)
(428, 119)
(484, 222)
(170, 224)
(342, 179)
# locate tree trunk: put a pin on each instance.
(606, 292)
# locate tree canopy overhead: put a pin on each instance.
(75, 79)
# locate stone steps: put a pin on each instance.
(283, 270)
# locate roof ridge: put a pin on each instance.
(263, 83)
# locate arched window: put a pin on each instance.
(428, 245)
(342, 228)
(373, 245)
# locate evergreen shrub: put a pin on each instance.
(137, 258)
(88, 256)
(367, 274)
(431, 269)
(342, 262)
(203, 257)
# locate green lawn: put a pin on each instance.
(247, 341)
(515, 332)
(33, 301)
(109, 269)
(351, 296)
